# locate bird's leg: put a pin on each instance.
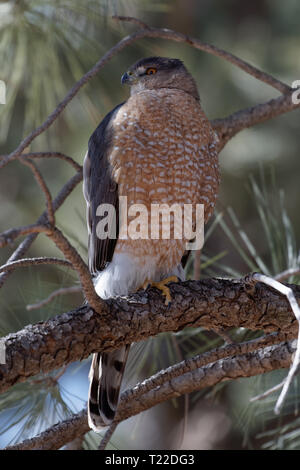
(161, 285)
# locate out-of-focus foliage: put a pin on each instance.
(45, 46)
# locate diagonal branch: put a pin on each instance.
(56, 436)
(5, 159)
(79, 265)
(53, 295)
(42, 184)
(34, 262)
(242, 365)
(26, 244)
(210, 49)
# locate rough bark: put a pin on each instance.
(213, 304)
(244, 365)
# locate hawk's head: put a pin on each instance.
(159, 72)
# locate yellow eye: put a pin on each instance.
(151, 71)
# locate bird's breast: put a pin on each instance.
(165, 151)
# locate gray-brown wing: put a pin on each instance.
(99, 188)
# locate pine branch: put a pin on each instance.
(212, 303)
(243, 365)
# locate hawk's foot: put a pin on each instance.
(161, 285)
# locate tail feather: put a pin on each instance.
(106, 375)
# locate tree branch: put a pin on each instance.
(228, 127)
(7, 237)
(79, 265)
(210, 303)
(53, 295)
(34, 262)
(57, 436)
(26, 244)
(5, 159)
(43, 186)
(148, 31)
(243, 365)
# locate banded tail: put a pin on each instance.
(105, 376)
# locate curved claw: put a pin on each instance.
(161, 285)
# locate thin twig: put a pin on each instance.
(70, 253)
(214, 50)
(26, 244)
(7, 237)
(131, 19)
(107, 436)
(34, 262)
(5, 159)
(63, 244)
(56, 293)
(42, 184)
(267, 392)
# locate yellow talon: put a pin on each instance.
(161, 285)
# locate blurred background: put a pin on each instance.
(45, 47)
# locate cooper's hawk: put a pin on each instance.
(157, 147)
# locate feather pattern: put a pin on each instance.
(99, 187)
(106, 375)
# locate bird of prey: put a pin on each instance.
(157, 147)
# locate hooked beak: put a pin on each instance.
(125, 78)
